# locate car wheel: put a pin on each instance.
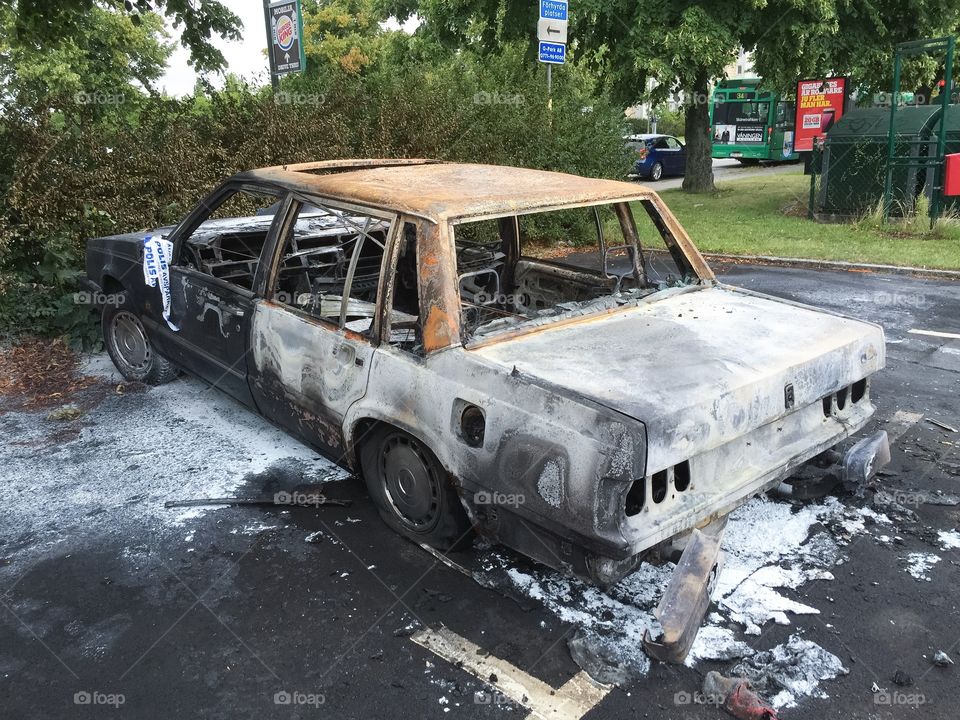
(656, 172)
(130, 348)
(411, 490)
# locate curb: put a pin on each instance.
(840, 265)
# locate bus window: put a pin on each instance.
(785, 115)
(740, 123)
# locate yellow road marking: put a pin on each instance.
(572, 701)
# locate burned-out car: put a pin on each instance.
(541, 358)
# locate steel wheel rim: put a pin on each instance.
(410, 482)
(129, 340)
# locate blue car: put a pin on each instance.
(657, 155)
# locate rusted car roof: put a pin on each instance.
(439, 191)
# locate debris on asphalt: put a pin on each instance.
(605, 660)
(610, 624)
(902, 678)
(949, 539)
(408, 629)
(790, 671)
(65, 413)
(36, 374)
(942, 425)
(717, 644)
(941, 659)
(736, 697)
(918, 564)
(315, 537)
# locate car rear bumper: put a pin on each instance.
(724, 477)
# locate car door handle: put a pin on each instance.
(232, 310)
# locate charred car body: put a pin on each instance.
(412, 320)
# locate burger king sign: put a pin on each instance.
(286, 48)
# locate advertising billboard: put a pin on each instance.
(820, 104)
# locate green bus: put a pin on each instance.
(751, 124)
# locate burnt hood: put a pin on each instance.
(701, 366)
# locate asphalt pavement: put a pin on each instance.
(724, 170)
(113, 606)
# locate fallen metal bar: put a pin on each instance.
(308, 501)
(687, 597)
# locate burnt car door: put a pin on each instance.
(214, 281)
(313, 337)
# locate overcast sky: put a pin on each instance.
(245, 57)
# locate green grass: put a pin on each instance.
(767, 216)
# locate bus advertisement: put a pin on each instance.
(751, 124)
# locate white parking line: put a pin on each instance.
(935, 333)
(572, 701)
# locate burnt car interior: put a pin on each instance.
(506, 277)
(509, 269)
(228, 243)
(330, 266)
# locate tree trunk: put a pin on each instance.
(699, 173)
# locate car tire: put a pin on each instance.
(130, 347)
(656, 172)
(412, 490)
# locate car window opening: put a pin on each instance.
(228, 243)
(330, 266)
(535, 268)
(405, 308)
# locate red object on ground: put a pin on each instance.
(745, 704)
(951, 182)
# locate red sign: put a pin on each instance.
(819, 105)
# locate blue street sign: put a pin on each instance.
(553, 9)
(553, 53)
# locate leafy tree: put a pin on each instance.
(850, 37)
(342, 33)
(40, 23)
(685, 45)
(92, 71)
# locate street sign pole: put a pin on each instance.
(552, 39)
(274, 80)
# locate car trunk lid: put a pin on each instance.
(699, 368)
